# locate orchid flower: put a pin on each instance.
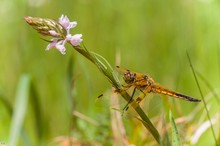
(60, 31)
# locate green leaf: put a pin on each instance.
(19, 110)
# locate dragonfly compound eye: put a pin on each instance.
(129, 77)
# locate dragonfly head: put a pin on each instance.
(129, 77)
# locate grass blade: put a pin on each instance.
(203, 99)
(209, 86)
(20, 108)
(174, 131)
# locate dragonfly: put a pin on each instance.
(145, 84)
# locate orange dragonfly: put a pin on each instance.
(146, 84)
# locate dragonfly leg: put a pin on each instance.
(130, 100)
(124, 88)
(136, 101)
(139, 98)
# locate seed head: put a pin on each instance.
(47, 27)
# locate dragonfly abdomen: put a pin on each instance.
(160, 90)
(185, 97)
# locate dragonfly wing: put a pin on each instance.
(124, 70)
(121, 70)
(156, 88)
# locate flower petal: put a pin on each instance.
(72, 25)
(60, 46)
(75, 40)
(65, 22)
(52, 44)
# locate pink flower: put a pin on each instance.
(52, 44)
(65, 22)
(75, 40)
(59, 44)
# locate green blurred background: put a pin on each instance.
(149, 37)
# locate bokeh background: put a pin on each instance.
(146, 36)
